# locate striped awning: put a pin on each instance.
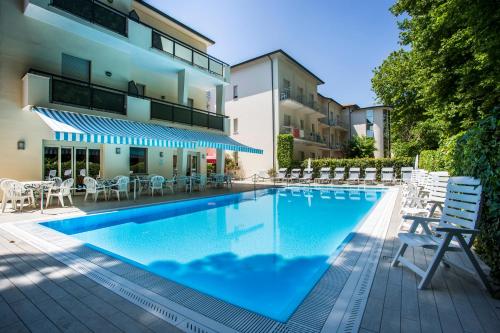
(79, 127)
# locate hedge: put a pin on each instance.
(362, 163)
(285, 150)
(476, 153)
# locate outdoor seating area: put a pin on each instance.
(340, 175)
(56, 192)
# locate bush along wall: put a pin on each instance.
(362, 163)
(285, 151)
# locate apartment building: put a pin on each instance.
(373, 122)
(111, 88)
(274, 94)
(334, 127)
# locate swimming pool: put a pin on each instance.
(261, 250)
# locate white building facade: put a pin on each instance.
(109, 87)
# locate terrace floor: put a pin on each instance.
(40, 294)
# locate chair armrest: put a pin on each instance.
(457, 230)
(420, 219)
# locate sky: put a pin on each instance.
(341, 41)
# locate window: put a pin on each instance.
(235, 92)
(313, 155)
(138, 160)
(235, 126)
(369, 123)
(50, 161)
(66, 163)
(174, 164)
(75, 68)
(235, 157)
(190, 102)
(300, 94)
(286, 84)
(94, 163)
(302, 156)
(288, 120)
(302, 124)
(313, 128)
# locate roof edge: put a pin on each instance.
(286, 55)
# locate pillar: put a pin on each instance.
(181, 161)
(220, 156)
(182, 87)
(220, 109)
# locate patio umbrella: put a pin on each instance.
(309, 163)
(416, 162)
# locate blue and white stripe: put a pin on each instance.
(79, 127)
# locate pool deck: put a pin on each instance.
(39, 293)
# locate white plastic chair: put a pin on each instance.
(94, 188)
(157, 184)
(338, 175)
(52, 174)
(387, 175)
(454, 232)
(370, 176)
(60, 192)
(324, 175)
(200, 182)
(121, 186)
(354, 175)
(16, 192)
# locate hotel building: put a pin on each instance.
(112, 87)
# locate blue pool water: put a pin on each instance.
(261, 250)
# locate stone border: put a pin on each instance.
(336, 302)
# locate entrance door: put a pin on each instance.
(66, 162)
(193, 164)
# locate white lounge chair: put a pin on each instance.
(353, 175)
(324, 176)
(294, 175)
(306, 176)
(338, 175)
(156, 184)
(60, 192)
(92, 187)
(370, 176)
(121, 186)
(456, 228)
(387, 176)
(406, 174)
(435, 195)
(281, 175)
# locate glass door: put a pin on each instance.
(94, 164)
(80, 166)
(66, 162)
(50, 162)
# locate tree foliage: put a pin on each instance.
(447, 75)
(285, 150)
(361, 146)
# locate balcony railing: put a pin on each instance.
(185, 115)
(186, 53)
(82, 94)
(299, 134)
(332, 122)
(95, 12)
(287, 94)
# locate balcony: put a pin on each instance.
(334, 123)
(300, 135)
(96, 21)
(50, 90)
(299, 102)
(95, 12)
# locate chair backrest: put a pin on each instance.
(52, 173)
(324, 173)
(406, 174)
(67, 173)
(387, 173)
(83, 172)
(90, 184)
(370, 173)
(438, 184)
(66, 186)
(295, 173)
(282, 172)
(354, 173)
(14, 188)
(339, 173)
(57, 181)
(462, 203)
(307, 173)
(157, 181)
(5, 184)
(122, 183)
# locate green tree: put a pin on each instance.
(361, 146)
(447, 76)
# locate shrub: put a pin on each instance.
(477, 154)
(362, 163)
(361, 146)
(285, 150)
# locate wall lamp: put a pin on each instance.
(21, 145)
(118, 150)
(161, 154)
